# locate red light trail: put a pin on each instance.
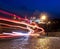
(31, 31)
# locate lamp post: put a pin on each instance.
(44, 20)
(43, 17)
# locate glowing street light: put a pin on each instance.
(43, 17)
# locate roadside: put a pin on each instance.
(53, 34)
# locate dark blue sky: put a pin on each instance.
(50, 6)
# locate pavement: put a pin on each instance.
(53, 34)
(32, 43)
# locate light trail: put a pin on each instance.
(13, 15)
(31, 31)
(29, 25)
(13, 26)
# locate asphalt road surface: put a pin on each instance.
(31, 43)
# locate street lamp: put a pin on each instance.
(43, 17)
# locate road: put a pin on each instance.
(31, 43)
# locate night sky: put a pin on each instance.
(50, 6)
